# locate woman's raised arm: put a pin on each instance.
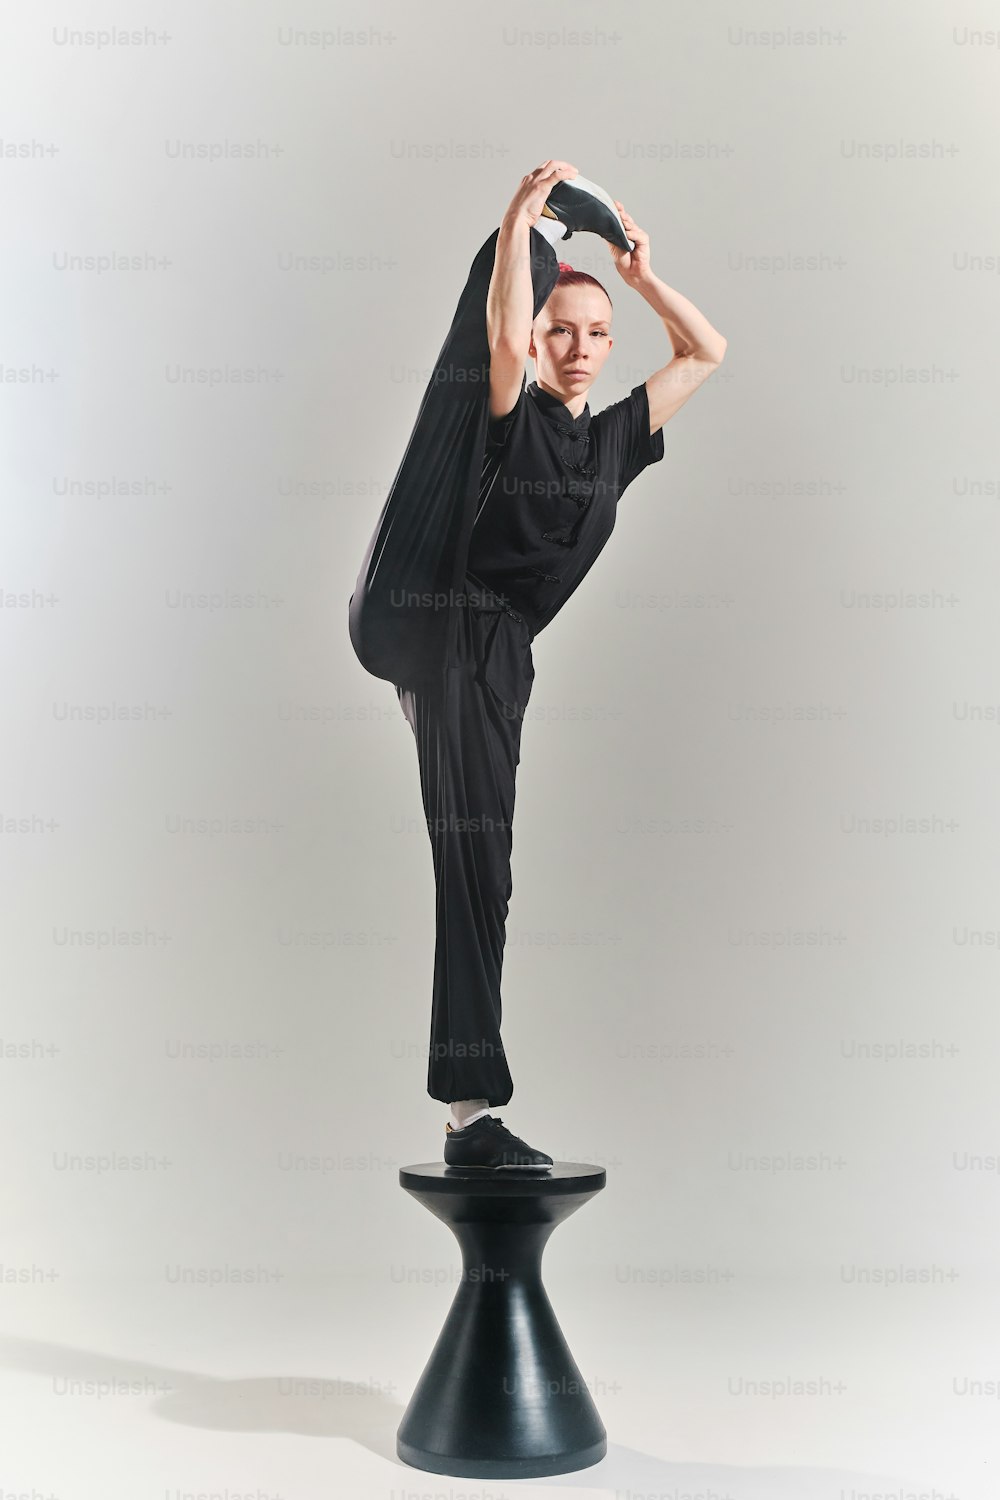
(699, 349)
(510, 300)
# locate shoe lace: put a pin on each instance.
(507, 1134)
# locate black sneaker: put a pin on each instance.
(487, 1143)
(581, 204)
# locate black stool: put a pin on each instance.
(501, 1396)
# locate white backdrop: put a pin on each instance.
(752, 950)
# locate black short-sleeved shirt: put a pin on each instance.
(549, 495)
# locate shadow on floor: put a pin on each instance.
(331, 1407)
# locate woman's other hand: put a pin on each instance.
(632, 265)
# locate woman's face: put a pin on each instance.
(571, 334)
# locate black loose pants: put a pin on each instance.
(460, 660)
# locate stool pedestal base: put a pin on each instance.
(501, 1396)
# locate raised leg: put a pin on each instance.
(402, 614)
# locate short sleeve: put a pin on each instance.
(635, 447)
(498, 428)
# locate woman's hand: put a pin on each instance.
(529, 200)
(632, 265)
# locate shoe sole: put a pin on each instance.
(504, 1166)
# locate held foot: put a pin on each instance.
(581, 205)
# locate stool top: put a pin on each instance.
(561, 1177)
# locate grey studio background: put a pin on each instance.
(752, 952)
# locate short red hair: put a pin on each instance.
(568, 277)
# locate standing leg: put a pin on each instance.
(401, 615)
(468, 746)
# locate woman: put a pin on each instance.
(504, 499)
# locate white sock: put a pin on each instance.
(464, 1111)
(550, 229)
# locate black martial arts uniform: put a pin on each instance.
(488, 528)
